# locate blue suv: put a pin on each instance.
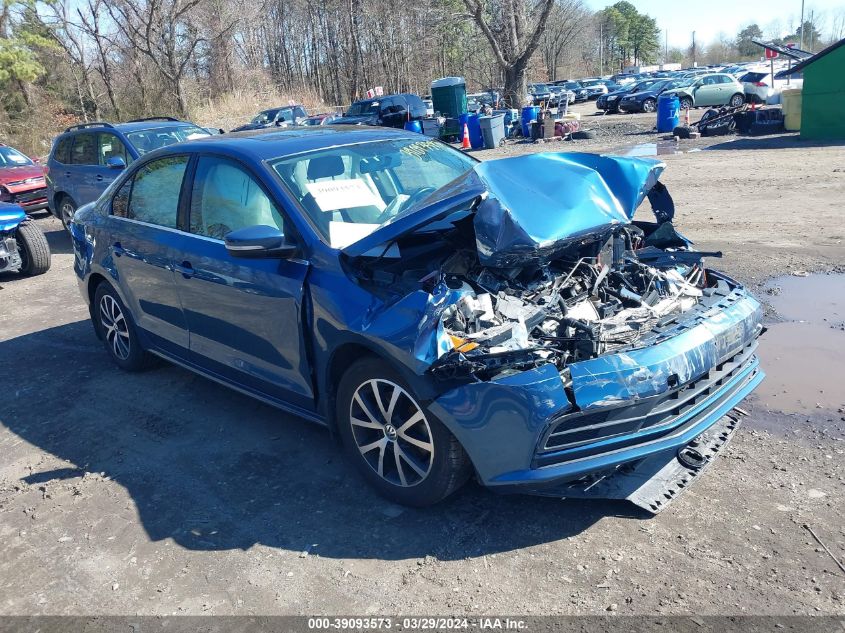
(86, 158)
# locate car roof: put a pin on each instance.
(275, 143)
(129, 126)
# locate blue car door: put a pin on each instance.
(101, 175)
(143, 236)
(244, 315)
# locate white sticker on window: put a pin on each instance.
(332, 195)
(345, 233)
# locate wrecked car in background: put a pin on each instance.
(508, 319)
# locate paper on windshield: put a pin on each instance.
(332, 195)
(345, 233)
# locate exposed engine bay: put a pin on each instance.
(602, 298)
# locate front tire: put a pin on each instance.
(120, 337)
(736, 100)
(401, 449)
(33, 249)
(686, 103)
(649, 105)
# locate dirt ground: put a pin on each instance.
(163, 493)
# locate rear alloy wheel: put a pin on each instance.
(67, 209)
(737, 100)
(649, 105)
(118, 331)
(399, 447)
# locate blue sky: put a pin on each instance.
(710, 18)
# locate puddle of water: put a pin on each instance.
(660, 148)
(804, 358)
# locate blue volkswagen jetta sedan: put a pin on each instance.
(447, 318)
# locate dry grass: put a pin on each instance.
(254, 92)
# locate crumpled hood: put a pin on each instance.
(539, 202)
(10, 216)
(528, 207)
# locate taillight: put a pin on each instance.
(761, 84)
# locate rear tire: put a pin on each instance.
(649, 105)
(686, 103)
(33, 249)
(399, 447)
(736, 100)
(682, 131)
(118, 331)
(67, 209)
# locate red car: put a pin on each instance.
(22, 181)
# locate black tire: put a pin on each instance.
(33, 249)
(709, 114)
(119, 335)
(66, 211)
(583, 134)
(379, 449)
(686, 103)
(682, 131)
(736, 100)
(649, 105)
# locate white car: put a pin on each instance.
(760, 87)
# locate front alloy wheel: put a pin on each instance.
(648, 105)
(399, 447)
(391, 432)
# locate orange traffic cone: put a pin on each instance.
(753, 106)
(465, 142)
(686, 117)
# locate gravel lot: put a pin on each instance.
(164, 493)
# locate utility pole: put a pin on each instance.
(694, 64)
(601, 49)
(801, 45)
(666, 47)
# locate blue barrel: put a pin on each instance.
(668, 112)
(529, 113)
(414, 126)
(476, 138)
(463, 119)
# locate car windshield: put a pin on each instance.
(349, 191)
(13, 158)
(268, 116)
(363, 107)
(147, 140)
(572, 85)
(539, 88)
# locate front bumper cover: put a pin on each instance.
(623, 408)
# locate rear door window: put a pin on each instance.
(61, 153)
(152, 194)
(84, 151)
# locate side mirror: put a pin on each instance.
(116, 162)
(35, 160)
(259, 242)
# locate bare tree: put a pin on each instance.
(513, 28)
(160, 30)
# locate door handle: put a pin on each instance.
(185, 269)
(117, 249)
(99, 178)
(67, 174)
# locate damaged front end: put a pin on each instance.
(578, 338)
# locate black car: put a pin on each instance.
(387, 111)
(646, 100)
(275, 117)
(610, 102)
(581, 93)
